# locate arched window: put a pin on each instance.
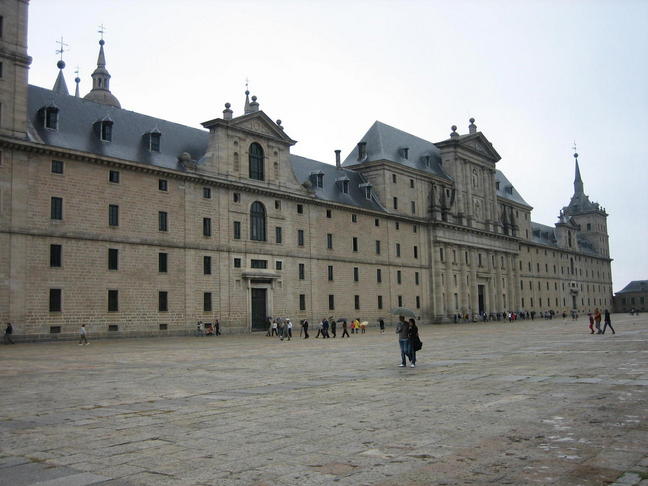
(257, 222)
(256, 162)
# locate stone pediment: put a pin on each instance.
(260, 123)
(480, 144)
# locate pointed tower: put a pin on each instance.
(246, 107)
(101, 82)
(60, 86)
(77, 80)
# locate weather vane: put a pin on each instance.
(62, 49)
(246, 83)
(101, 30)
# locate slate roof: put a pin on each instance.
(76, 130)
(305, 170)
(635, 286)
(507, 190)
(386, 143)
(543, 234)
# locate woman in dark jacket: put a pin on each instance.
(413, 341)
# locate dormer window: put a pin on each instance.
(497, 184)
(154, 140)
(366, 188)
(404, 152)
(104, 129)
(317, 178)
(51, 117)
(345, 186)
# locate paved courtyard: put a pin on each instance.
(540, 402)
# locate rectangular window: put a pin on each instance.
(395, 202)
(378, 275)
(328, 213)
(113, 176)
(418, 302)
(236, 197)
(237, 230)
(113, 259)
(55, 255)
(113, 215)
(55, 300)
(376, 222)
(400, 301)
(278, 235)
(277, 204)
(162, 262)
(399, 277)
(415, 251)
(380, 302)
(300, 237)
(398, 249)
(278, 265)
(163, 221)
(113, 300)
(329, 241)
(356, 274)
(356, 302)
(206, 226)
(259, 263)
(377, 247)
(414, 228)
(355, 243)
(300, 209)
(302, 271)
(207, 301)
(330, 272)
(331, 302)
(207, 192)
(207, 267)
(163, 185)
(237, 263)
(57, 166)
(302, 302)
(416, 278)
(163, 301)
(394, 178)
(413, 206)
(441, 256)
(57, 208)
(354, 218)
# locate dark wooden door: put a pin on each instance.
(259, 305)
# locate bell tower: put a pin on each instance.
(14, 65)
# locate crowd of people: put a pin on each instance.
(326, 328)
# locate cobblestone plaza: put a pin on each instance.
(524, 403)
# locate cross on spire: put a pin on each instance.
(102, 30)
(63, 45)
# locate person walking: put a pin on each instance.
(597, 320)
(381, 323)
(414, 341)
(7, 335)
(305, 328)
(281, 329)
(275, 331)
(289, 326)
(269, 327)
(608, 322)
(402, 329)
(320, 326)
(591, 322)
(333, 325)
(217, 331)
(83, 339)
(345, 330)
(325, 329)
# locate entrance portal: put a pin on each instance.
(259, 309)
(480, 296)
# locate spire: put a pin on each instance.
(246, 108)
(77, 80)
(100, 92)
(578, 182)
(60, 86)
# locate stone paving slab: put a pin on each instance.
(497, 403)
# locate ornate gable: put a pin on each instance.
(479, 143)
(257, 123)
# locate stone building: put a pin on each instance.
(137, 225)
(633, 297)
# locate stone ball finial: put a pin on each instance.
(77, 79)
(254, 98)
(472, 120)
(227, 105)
(247, 92)
(60, 64)
(102, 42)
(454, 128)
(575, 155)
(278, 122)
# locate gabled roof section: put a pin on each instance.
(256, 123)
(76, 132)
(303, 168)
(543, 234)
(506, 190)
(384, 142)
(635, 286)
(474, 142)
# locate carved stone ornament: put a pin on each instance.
(257, 126)
(186, 161)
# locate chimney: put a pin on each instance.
(227, 112)
(472, 128)
(337, 159)
(362, 150)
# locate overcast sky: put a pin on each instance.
(536, 76)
